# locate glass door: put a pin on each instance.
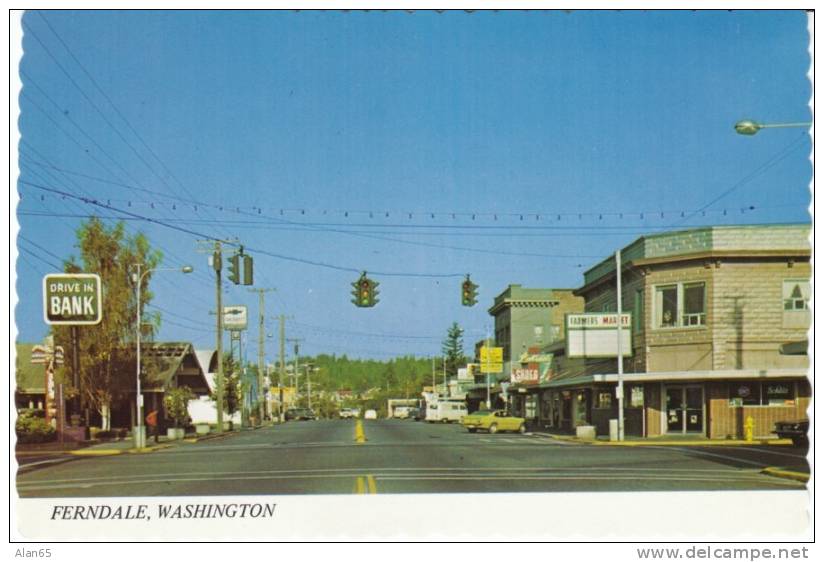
(694, 409)
(675, 409)
(685, 409)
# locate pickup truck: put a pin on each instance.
(795, 430)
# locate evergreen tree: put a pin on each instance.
(452, 348)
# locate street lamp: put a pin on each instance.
(139, 436)
(749, 127)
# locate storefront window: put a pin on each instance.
(581, 407)
(604, 399)
(780, 393)
(745, 394)
(636, 396)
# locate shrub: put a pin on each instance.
(34, 430)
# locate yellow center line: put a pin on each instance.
(373, 488)
(359, 435)
(359, 486)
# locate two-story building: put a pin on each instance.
(714, 311)
(527, 320)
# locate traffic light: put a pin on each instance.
(234, 269)
(365, 292)
(248, 270)
(469, 292)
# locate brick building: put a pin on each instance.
(712, 309)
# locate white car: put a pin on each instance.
(349, 413)
(370, 415)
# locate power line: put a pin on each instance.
(201, 235)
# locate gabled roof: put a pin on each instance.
(164, 360)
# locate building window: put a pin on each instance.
(680, 305)
(693, 305)
(636, 396)
(604, 399)
(796, 295)
(778, 393)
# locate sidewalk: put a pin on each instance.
(663, 440)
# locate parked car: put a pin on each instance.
(414, 414)
(493, 421)
(346, 413)
(795, 430)
(370, 415)
(445, 411)
(299, 414)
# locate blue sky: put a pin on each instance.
(519, 147)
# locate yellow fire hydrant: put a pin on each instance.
(749, 427)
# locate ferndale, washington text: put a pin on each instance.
(163, 511)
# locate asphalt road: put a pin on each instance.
(323, 457)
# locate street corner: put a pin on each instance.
(802, 477)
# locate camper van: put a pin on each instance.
(445, 411)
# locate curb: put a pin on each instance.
(210, 437)
(671, 443)
(788, 474)
(112, 452)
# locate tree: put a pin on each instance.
(107, 349)
(176, 402)
(452, 348)
(231, 386)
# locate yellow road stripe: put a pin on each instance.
(359, 487)
(373, 488)
(360, 437)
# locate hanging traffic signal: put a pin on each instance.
(248, 270)
(364, 292)
(469, 292)
(234, 269)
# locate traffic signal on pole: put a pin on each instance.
(234, 269)
(469, 292)
(364, 292)
(248, 270)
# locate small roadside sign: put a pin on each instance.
(72, 299)
(234, 317)
(492, 359)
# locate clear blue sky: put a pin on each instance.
(299, 125)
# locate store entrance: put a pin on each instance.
(685, 409)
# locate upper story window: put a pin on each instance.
(796, 294)
(680, 305)
(796, 303)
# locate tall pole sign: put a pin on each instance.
(72, 299)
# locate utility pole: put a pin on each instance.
(295, 372)
(214, 247)
(619, 350)
(261, 349)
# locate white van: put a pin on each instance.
(445, 411)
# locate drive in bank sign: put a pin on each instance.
(72, 298)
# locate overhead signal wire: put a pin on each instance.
(68, 180)
(202, 235)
